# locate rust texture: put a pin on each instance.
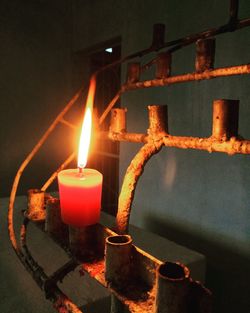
(130, 181)
(133, 72)
(158, 120)
(172, 288)
(210, 144)
(36, 202)
(163, 65)
(205, 51)
(118, 120)
(86, 243)
(54, 224)
(176, 292)
(118, 254)
(225, 118)
(61, 302)
(219, 72)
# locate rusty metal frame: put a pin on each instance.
(154, 140)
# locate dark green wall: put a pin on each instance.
(35, 63)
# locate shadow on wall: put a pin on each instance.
(228, 271)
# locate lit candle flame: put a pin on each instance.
(86, 126)
(85, 139)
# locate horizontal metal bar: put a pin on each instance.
(219, 72)
(210, 144)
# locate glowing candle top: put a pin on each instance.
(85, 139)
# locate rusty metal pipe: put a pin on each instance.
(118, 253)
(133, 72)
(36, 202)
(163, 65)
(219, 72)
(130, 181)
(158, 36)
(205, 52)
(118, 120)
(225, 119)
(54, 224)
(86, 243)
(158, 120)
(173, 280)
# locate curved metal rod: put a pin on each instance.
(131, 178)
(61, 302)
(26, 162)
(61, 167)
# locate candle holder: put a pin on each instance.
(138, 281)
(54, 225)
(36, 205)
(86, 243)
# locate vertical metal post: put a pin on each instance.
(163, 65)
(158, 35)
(205, 51)
(36, 210)
(172, 288)
(158, 119)
(54, 224)
(133, 72)
(225, 118)
(118, 120)
(87, 243)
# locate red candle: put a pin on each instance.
(80, 189)
(80, 196)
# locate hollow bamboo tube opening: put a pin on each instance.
(205, 52)
(172, 287)
(118, 250)
(158, 35)
(225, 118)
(158, 119)
(118, 120)
(163, 65)
(54, 224)
(133, 72)
(35, 210)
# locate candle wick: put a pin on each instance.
(80, 170)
